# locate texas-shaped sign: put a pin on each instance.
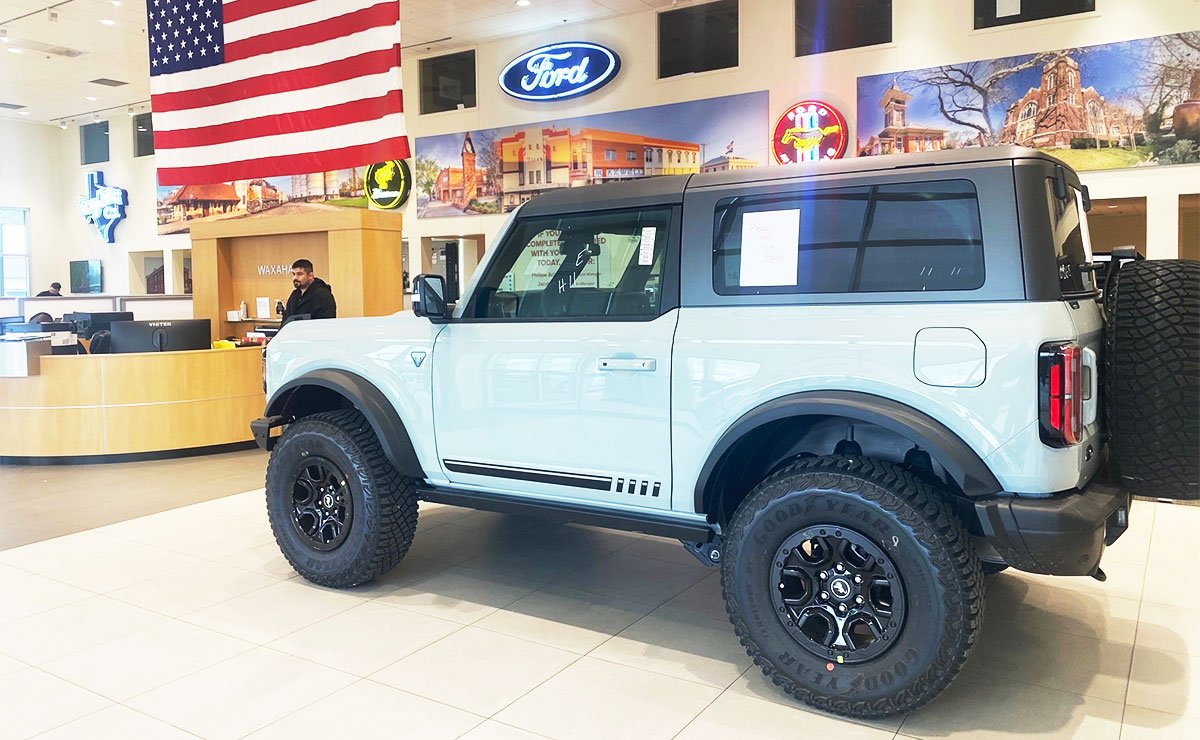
(103, 205)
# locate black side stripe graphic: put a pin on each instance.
(577, 480)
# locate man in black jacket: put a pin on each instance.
(312, 297)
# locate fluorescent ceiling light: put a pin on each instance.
(22, 113)
(523, 3)
(107, 22)
(92, 98)
(14, 50)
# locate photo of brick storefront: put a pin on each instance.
(1061, 109)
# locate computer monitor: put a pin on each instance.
(88, 323)
(161, 336)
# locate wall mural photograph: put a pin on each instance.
(1128, 104)
(180, 207)
(495, 170)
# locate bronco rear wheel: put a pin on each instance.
(341, 513)
(852, 585)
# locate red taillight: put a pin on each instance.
(1060, 394)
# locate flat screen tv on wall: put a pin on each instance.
(86, 276)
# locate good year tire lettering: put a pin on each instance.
(873, 522)
(887, 677)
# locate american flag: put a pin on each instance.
(245, 89)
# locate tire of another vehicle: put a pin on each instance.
(906, 519)
(382, 503)
(1152, 363)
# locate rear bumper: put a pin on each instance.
(1064, 534)
(261, 429)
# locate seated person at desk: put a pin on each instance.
(312, 297)
(55, 290)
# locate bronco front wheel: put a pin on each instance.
(340, 511)
(852, 585)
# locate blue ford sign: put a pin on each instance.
(559, 71)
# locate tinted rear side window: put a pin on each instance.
(1071, 248)
(904, 237)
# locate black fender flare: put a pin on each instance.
(385, 421)
(956, 456)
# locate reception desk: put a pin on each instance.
(93, 406)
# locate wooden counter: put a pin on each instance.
(89, 405)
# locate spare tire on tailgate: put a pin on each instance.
(1152, 362)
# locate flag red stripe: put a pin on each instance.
(323, 161)
(367, 109)
(370, 63)
(383, 14)
(240, 9)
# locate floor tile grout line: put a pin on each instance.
(81, 688)
(1136, 628)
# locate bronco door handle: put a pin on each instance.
(634, 364)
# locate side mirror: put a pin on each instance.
(429, 298)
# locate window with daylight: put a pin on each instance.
(992, 13)
(448, 82)
(830, 25)
(606, 265)
(698, 38)
(14, 252)
(93, 143)
(890, 238)
(143, 135)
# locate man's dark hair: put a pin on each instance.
(56, 286)
(303, 265)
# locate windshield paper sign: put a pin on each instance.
(559, 71)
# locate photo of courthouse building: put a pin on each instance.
(1061, 109)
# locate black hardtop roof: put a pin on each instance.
(670, 188)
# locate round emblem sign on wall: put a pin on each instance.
(809, 131)
(388, 184)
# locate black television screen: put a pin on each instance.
(86, 276)
(161, 336)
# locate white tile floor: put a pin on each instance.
(189, 623)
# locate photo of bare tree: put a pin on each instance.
(1128, 104)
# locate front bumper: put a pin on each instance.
(1063, 534)
(261, 429)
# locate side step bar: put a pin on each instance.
(647, 522)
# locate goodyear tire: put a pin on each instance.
(341, 513)
(852, 585)
(1153, 377)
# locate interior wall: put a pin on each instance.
(925, 33)
(1108, 232)
(75, 239)
(30, 178)
(1189, 226)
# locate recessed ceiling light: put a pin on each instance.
(116, 3)
(523, 3)
(92, 98)
(14, 50)
(22, 113)
(96, 118)
(62, 125)
(107, 22)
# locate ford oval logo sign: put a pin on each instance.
(559, 71)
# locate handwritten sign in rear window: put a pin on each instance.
(769, 255)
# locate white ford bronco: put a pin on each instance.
(856, 387)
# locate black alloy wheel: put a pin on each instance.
(340, 511)
(322, 507)
(838, 593)
(852, 584)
